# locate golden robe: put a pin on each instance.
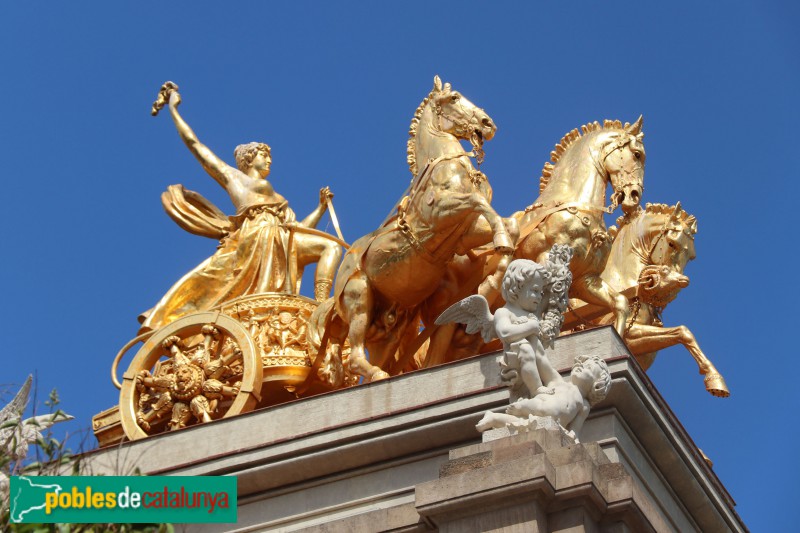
(251, 258)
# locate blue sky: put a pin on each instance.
(332, 88)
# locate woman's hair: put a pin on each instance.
(517, 273)
(245, 153)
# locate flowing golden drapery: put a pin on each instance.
(251, 259)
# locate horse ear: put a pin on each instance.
(447, 87)
(676, 213)
(437, 83)
(636, 127)
(692, 222)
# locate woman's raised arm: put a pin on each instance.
(216, 167)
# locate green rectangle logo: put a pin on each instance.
(122, 499)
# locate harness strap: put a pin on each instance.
(418, 183)
(541, 215)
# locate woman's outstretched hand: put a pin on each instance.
(325, 194)
(167, 93)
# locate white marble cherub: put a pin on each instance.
(569, 404)
(536, 297)
(518, 324)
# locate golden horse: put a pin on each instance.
(571, 205)
(387, 274)
(649, 255)
(568, 211)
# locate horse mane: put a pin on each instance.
(689, 222)
(568, 140)
(411, 149)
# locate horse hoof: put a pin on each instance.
(715, 384)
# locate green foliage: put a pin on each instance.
(52, 454)
(87, 528)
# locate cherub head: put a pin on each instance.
(523, 284)
(590, 374)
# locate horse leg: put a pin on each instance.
(439, 345)
(357, 305)
(595, 291)
(407, 350)
(502, 235)
(480, 232)
(490, 287)
(643, 338)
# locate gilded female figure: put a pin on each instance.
(253, 256)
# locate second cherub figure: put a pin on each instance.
(536, 298)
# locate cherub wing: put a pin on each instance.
(16, 406)
(474, 312)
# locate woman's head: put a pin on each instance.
(245, 154)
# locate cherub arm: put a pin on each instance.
(511, 327)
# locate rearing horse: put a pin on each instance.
(571, 205)
(387, 274)
(649, 254)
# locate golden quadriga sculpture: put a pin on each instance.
(231, 334)
(234, 333)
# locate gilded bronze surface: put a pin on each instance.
(569, 210)
(263, 248)
(253, 278)
(650, 252)
(388, 274)
(571, 205)
(234, 333)
(199, 368)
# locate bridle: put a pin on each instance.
(463, 130)
(628, 178)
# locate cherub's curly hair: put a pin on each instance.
(602, 384)
(245, 153)
(517, 273)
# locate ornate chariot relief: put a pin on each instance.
(197, 369)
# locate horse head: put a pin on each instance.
(445, 111)
(623, 159)
(459, 117)
(674, 247)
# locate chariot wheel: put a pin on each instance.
(202, 367)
